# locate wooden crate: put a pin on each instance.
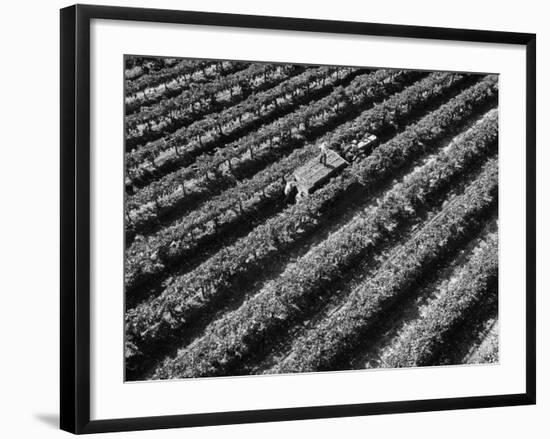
(314, 173)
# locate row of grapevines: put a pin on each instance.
(161, 197)
(170, 116)
(287, 299)
(230, 88)
(184, 68)
(136, 66)
(321, 346)
(175, 86)
(422, 339)
(487, 351)
(144, 266)
(217, 129)
(199, 290)
(180, 241)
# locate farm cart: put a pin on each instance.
(317, 171)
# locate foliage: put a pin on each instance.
(467, 286)
(284, 300)
(167, 115)
(205, 286)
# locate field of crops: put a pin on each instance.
(392, 261)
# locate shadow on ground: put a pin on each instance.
(49, 419)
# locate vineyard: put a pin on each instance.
(388, 259)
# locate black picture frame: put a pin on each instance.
(75, 217)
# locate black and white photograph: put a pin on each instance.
(270, 220)
(287, 218)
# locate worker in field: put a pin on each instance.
(290, 191)
(323, 146)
